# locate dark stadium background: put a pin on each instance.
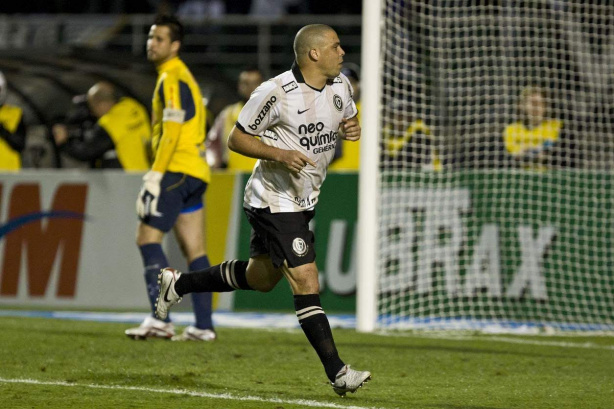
(53, 51)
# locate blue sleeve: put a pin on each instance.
(187, 101)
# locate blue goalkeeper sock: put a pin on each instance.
(201, 302)
(153, 260)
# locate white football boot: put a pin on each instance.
(152, 328)
(349, 380)
(192, 333)
(167, 296)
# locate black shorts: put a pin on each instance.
(179, 193)
(283, 236)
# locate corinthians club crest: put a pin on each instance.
(299, 247)
(338, 102)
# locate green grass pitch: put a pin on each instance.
(51, 363)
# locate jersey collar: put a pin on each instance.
(165, 66)
(300, 79)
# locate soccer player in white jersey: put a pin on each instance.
(300, 116)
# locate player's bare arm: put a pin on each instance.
(350, 129)
(248, 145)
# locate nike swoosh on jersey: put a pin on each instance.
(300, 112)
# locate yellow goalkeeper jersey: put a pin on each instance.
(518, 137)
(178, 119)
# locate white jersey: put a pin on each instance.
(289, 114)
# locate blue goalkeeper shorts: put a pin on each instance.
(179, 193)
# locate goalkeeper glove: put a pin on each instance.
(147, 202)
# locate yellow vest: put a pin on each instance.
(10, 117)
(128, 125)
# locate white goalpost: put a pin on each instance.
(486, 187)
(368, 188)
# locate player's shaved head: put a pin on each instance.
(308, 38)
(102, 91)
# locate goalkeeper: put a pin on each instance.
(172, 192)
(299, 116)
(536, 141)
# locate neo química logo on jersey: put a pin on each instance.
(320, 142)
(41, 238)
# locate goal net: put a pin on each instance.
(496, 146)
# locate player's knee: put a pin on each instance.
(194, 252)
(141, 241)
(261, 275)
(304, 279)
(146, 235)
(306, 287)
(264, 283)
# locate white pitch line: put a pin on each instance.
(562, 344)
(227, 396)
